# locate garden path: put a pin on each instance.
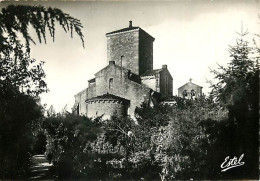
(40, 168)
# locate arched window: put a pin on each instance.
(184, 94)
(121, 59)
(192, 94)
(77, 109)
(110, 83)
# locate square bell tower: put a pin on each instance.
(131, 48)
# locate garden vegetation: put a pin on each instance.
(187, 140)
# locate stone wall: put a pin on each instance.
(91, 92)
(122, 86)
(114, 80)
(106, 108)
(133, 49)
(145, 52)
(80, 101)
(152, 82)
(124, 46)
(166, 83)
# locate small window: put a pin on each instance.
(166, 84)
(110, 83)
(77, 109)
(192, 94)
(157, 82)
(122, 58)
(185, 94)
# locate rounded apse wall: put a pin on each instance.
(106, 107)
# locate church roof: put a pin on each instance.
(190, 83)
(108, 96)
(151, 72)
(109, 65)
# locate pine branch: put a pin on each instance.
(16, 19)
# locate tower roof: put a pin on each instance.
(123, 30)
(129, 28)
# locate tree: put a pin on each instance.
(120, 130)
(236, 82)
(67, 137)
(22, 80)
(132, 142)
(18, 115)
(17, 68)
(170, 140)
(180, 146)
(238, 91)
(16, 19)
(21, 72)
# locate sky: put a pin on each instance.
(190, 37)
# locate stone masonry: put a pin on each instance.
(128, 80)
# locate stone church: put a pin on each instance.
(190, 90)
(129, 78)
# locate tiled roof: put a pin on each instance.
(108, 96)
(124, 29)
(151, 72)
(134, 77)
(92, 80)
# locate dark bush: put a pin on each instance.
(18, 114)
